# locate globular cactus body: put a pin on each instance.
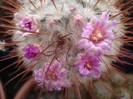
(68, 42)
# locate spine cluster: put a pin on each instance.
(63, 39)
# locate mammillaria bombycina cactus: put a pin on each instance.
(69, 42)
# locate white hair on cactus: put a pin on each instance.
(63, 23)
(2, 47)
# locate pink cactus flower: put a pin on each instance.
(98, 35)
(31, 51)
(78, 20)
(88, 65)
(53, 77)
(27, 23)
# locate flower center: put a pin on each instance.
(50, 75)
(96, 35)
(28, 25)
(88, 65)
(32, 53)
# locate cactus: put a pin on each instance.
(71, 45)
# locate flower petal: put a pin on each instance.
(57, 85)
(105, 16)
(56, 65)
(87, 30)
(111, 25)
(82, 43)
(62, 73)
(94, 21)
(105, 46)
(18, 16)
(83, 71)
(49, 85)
(66, 83)
(96, 73)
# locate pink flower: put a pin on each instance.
(53, 77)
(27, 23)
(31, 51)
(98, 35)
(88, 65)
(78, 20)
